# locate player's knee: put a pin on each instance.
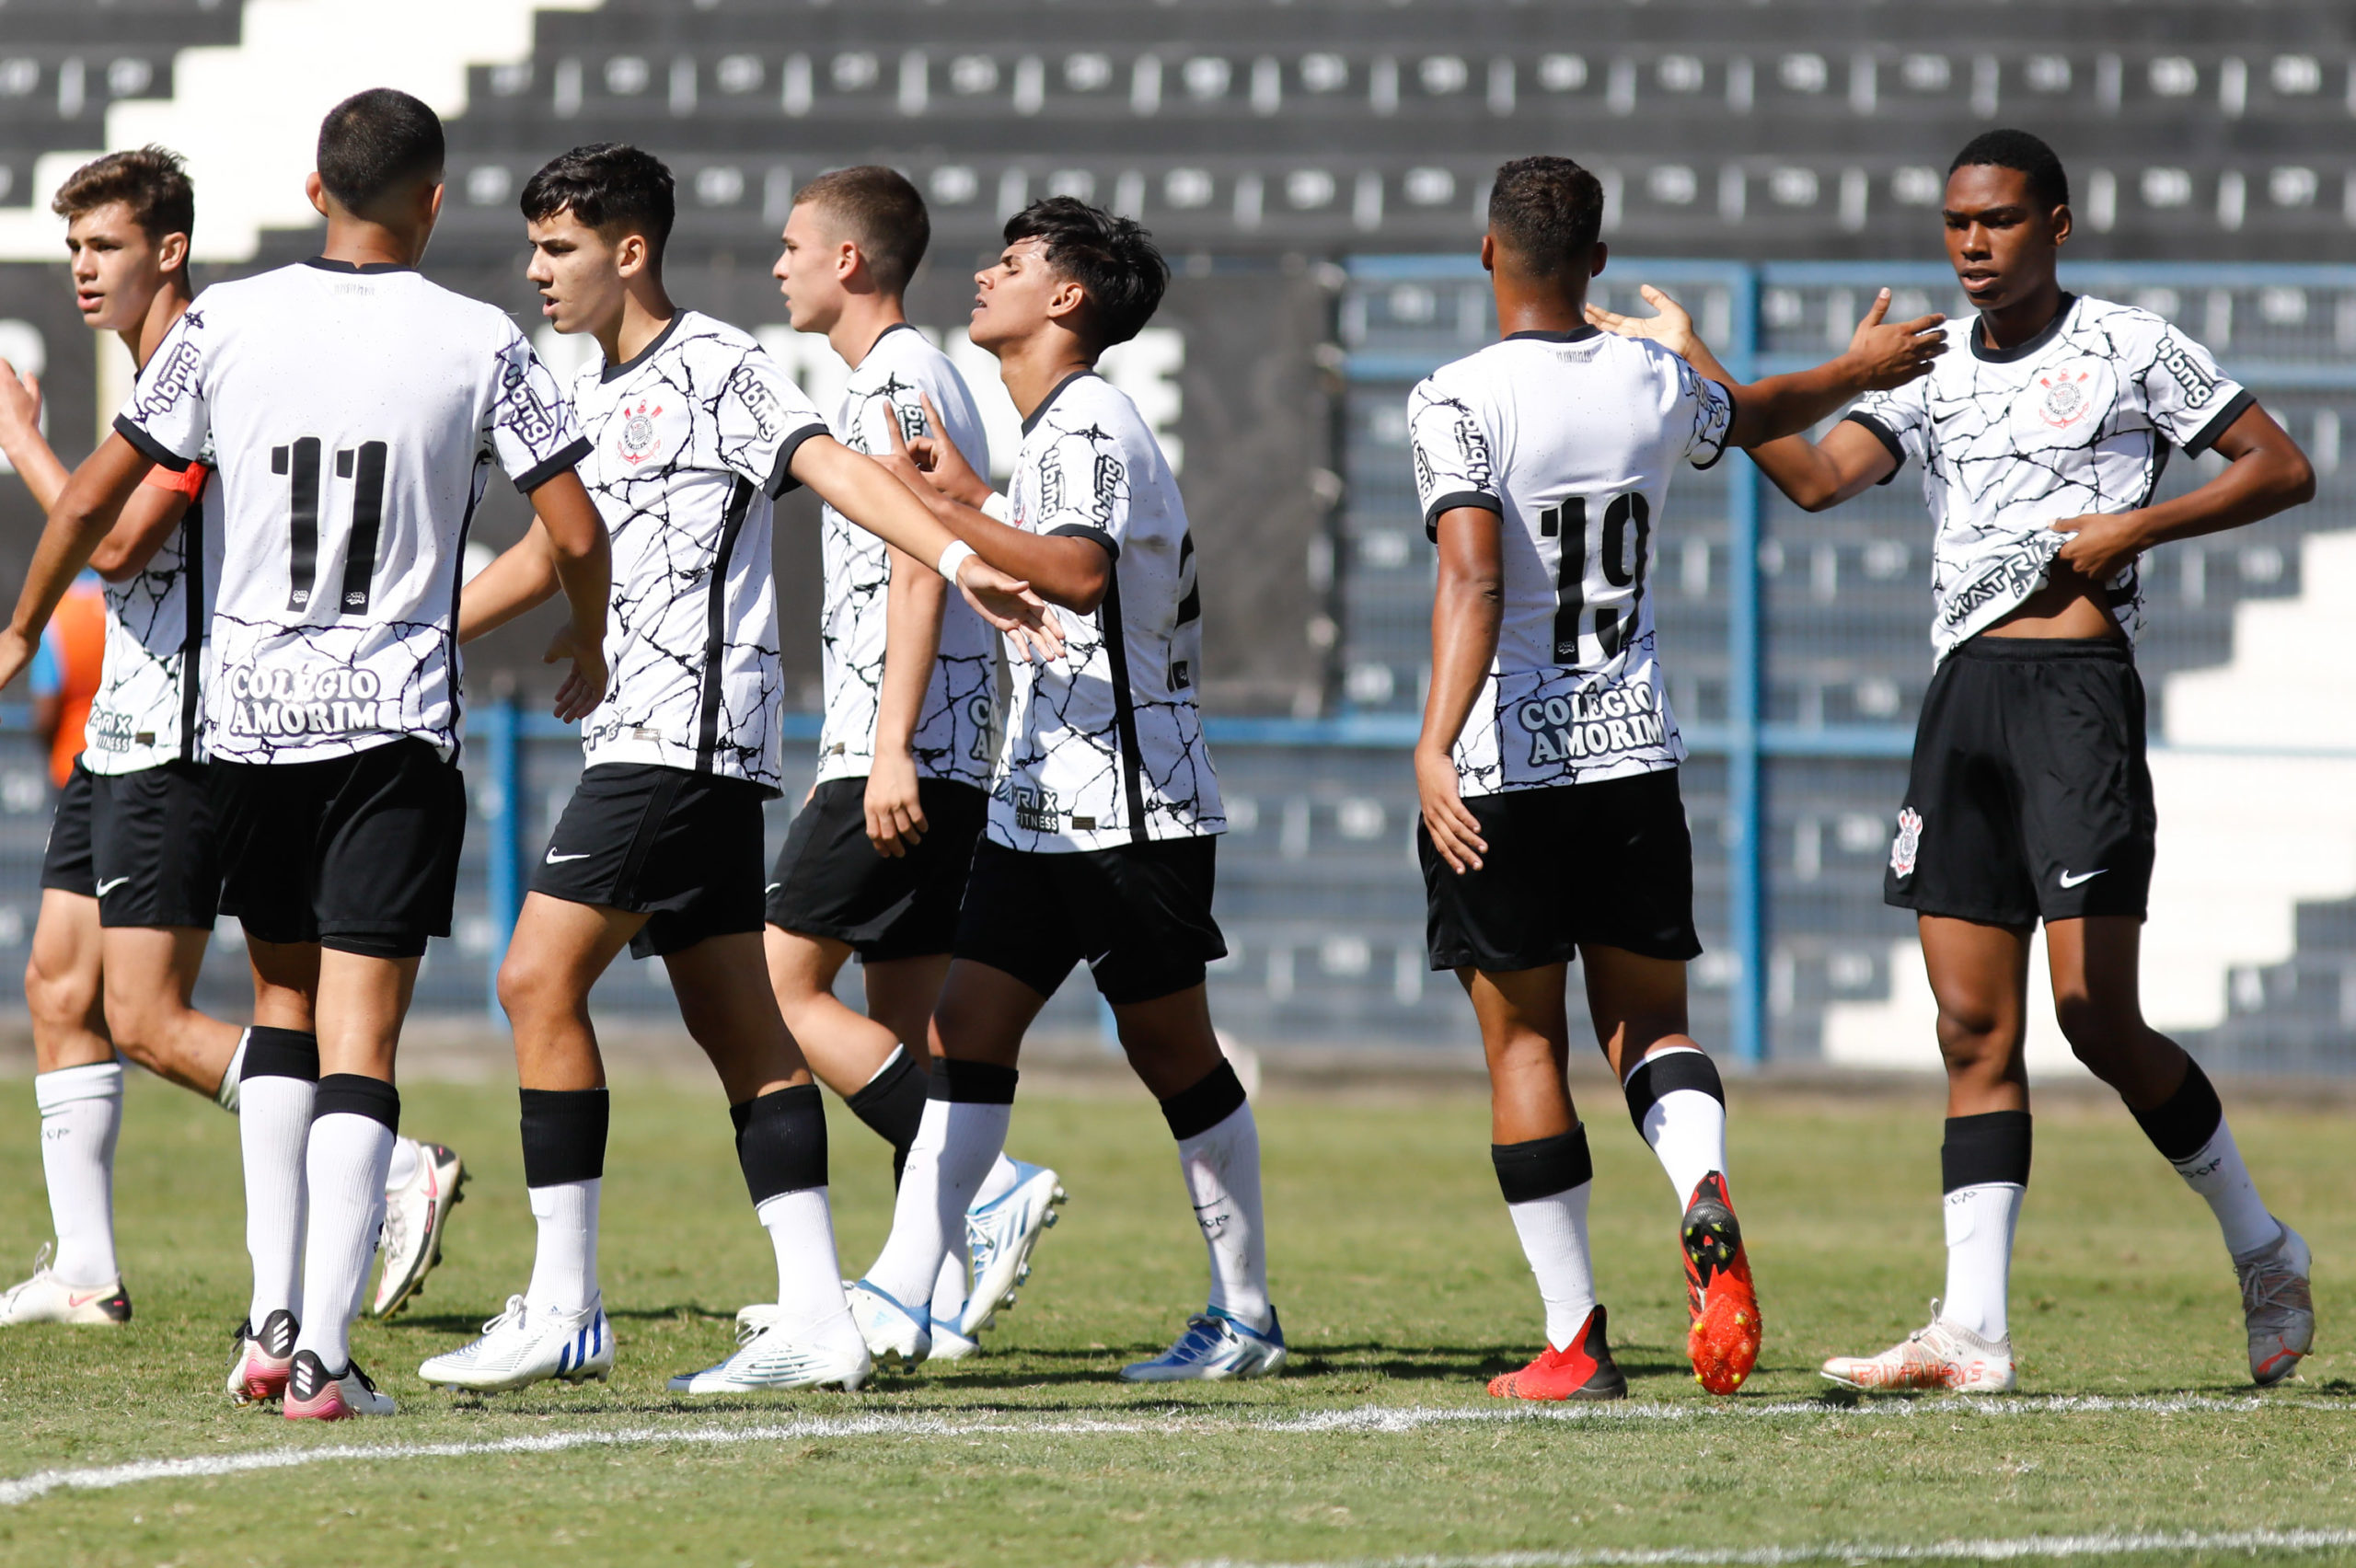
(530, 988)
(1974, 1038)
(54, 996)
(2099, 1035)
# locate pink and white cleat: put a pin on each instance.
(1941, 1355)
(258, 1373)
(315, 1394)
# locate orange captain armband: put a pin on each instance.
(189, 481)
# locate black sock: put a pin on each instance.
(1985, 1151)
(2182, 1125)
(279, 1052)
(355, 1094)
(1656, 1075)
(782, 1142)
(893, 1105)
(564, 1135)
(1542, 1166)
(1210, 1100)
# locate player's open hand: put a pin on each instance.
(1455, 831)
(943, 463)
(2100, 543)
(1671, 325)
(1008, 603)
(16, 651)
(19, 404)
(896, 820)
(583, 687)
(1892, 353)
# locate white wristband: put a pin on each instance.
(953, 558)
(996, 508)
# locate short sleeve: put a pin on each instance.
(168, 418)
(2187, 398)
(1455, 462)
(1899, 418)
(763, 419)
(1709, 409)
(1082, 483)
(533, 432)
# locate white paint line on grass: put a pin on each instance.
(1371, 1419)
(1985, 1549)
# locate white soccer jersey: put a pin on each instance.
(355, 412)
(1570, 438)
(690, 444)
(1104, 746)
(957, 730)
(2076, 420)
(146, 709)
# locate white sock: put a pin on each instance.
(564, 1263)
(345, 1168)
(954, 1284)
(1553, 1238)
(2218, 1174)
(403, 1170)
(225, 1095)
(273, 1131)
(809, 1275)
(1687, 1130)
(999, 1183)
(81, 1112)
(1980, 1256)
(957, 1144)
(1221, 1166)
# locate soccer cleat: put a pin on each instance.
(950, 1343)
(259, 1369)
(522, 1346)
(1940, 1355)
(1215, 1348)
(893, 1332)
(1583, 1371)
(1723, 1339)
(999, 1236)
(2278, 1307)
(770, 1354)
(315, 1394)
(414, 1218)
(45, 1298)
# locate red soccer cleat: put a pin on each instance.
(1583, 1372)
(1723, 1341)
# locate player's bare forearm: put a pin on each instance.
(92, 499)
(580, 552)
(912, 608)
(2265, 473)
(1468, 607)
(30, 454)
(521, 579)
(872, 497)
(1815, 475)
(146, 520)
(1062, 569)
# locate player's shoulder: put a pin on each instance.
(1466, 382)
(1086, 404)
(697, 331)
(2128, 329)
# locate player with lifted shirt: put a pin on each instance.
(2041, 436)
(354, 410)
(1547, 767)
(693, 432)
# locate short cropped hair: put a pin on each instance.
(376, 144)
(611, 187)
(1113, 259)
(149, 181)
(1547, 211)
(2048, 184)
(885, 214)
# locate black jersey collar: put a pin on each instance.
(1986, 355)
(326, 264)
(895, 326)
(613, 372)
(1575, 335)
(1049, 400)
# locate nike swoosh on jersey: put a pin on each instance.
(2069, 880)
(557, 860)
(109, 885)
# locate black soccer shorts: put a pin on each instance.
(156, 846)
(65, 858)
(683, 848)
(829, 882)
(1608, 864)
(1138, 915)
(2029, 794)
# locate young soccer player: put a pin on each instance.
(693, 432)
(876, 863)
(1103, 807)
(354, 410)
(2041, 438)
(1547, 767)
(132, 878)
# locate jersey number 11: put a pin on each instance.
(365, 468)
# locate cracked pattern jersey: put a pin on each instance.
(1570, 438)
(691, 442)
(956, 734)
(355, 413)
(2076, 420)
(145, 712)
(1104, 746)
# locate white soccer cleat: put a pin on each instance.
(414, 1218)
(521, 1346)
(1939, 1356)
(999, 1236)
(2278, 1307)
(893, 1333)
(772, 1354)
(265, 1357)
(312, 1393)
(950, 1343)
(1215, 1348)
(45, 1298)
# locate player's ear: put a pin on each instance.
(171, 254)
(1603, 254)
(316, 191)
(2060, 224)
(1063, 304)
(1488, 253)
(847, 259)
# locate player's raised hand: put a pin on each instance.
(1008, 603)
(1892, 353)
(19, 403)
(583, 687)
(943, 463)
(1671, 325)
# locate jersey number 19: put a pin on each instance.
(365, 467)
(1621, 558)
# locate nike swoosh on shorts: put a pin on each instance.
(2069, 880)
(555, 860)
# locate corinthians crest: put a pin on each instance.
(2065, 400)
(639, 439)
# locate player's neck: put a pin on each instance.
(2009, 326)
(162, 311)
(360, 242)
(646, 311)
(865, 318)
(1539, 309)
(1034, 366)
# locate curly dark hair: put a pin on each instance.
(1547, 211)
(1113, 259)
(2049, 183)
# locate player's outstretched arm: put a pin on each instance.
(92, 500)
(520, 579)
(2265, 473)
(27, 449)
(912, 606)
(582, 557)
(1468, 605)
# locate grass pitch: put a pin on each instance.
(1401, 1292)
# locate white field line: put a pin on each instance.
(1984, 1548)
(1372, 1418)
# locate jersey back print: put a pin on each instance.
(957, 728)
(354, 413)
(2075, 421)
(1104, 746)
(1571, 439)
(146, 712)
(691, 442)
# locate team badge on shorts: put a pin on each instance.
(1909, 841)
(639, 438)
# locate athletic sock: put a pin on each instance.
(781, 1147)
(225, 1094)
(1546, 1183)
(354, 1122)
(564, 1167)
(278, 1077)
(1218, 1154)
(892, 1104)
(962, 1133)
(403, 1169)
(1679, 1105)
(2190, 1131)
(954, 1284)
(1984, 1167)
(999, 1183)
(81, 1112)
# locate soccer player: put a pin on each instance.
(131, 883)
(1104, 810)
(2041, 438)
(693, 432)
(1552, 825)
(354, 410)
(875, 862)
